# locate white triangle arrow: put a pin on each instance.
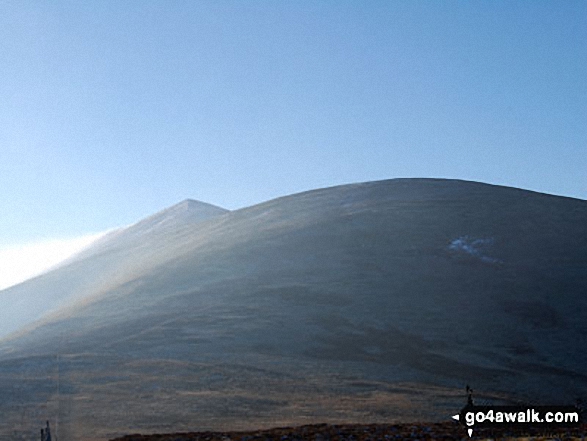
(456, 417)
(470, 432)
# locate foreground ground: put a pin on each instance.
(359, 432)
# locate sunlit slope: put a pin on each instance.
(113, 259)
(437, 281)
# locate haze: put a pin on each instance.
(21, 262)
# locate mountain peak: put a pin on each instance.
(194, 205)
(188, 210)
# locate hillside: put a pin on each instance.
(373, 302)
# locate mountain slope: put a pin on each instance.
(99, 267)
(364, 302)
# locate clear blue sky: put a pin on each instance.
(112, 110)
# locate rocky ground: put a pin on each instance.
(356, 432)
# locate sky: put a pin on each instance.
(111, 111)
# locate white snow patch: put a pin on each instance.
(474, 247)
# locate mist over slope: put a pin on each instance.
(119, 254)
(334, 304)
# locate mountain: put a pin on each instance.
(370, 302)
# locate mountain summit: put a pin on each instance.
(370, 302)
(187, 211)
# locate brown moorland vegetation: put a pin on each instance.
(361, 432)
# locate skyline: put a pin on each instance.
(114, 111)
(19, 263)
